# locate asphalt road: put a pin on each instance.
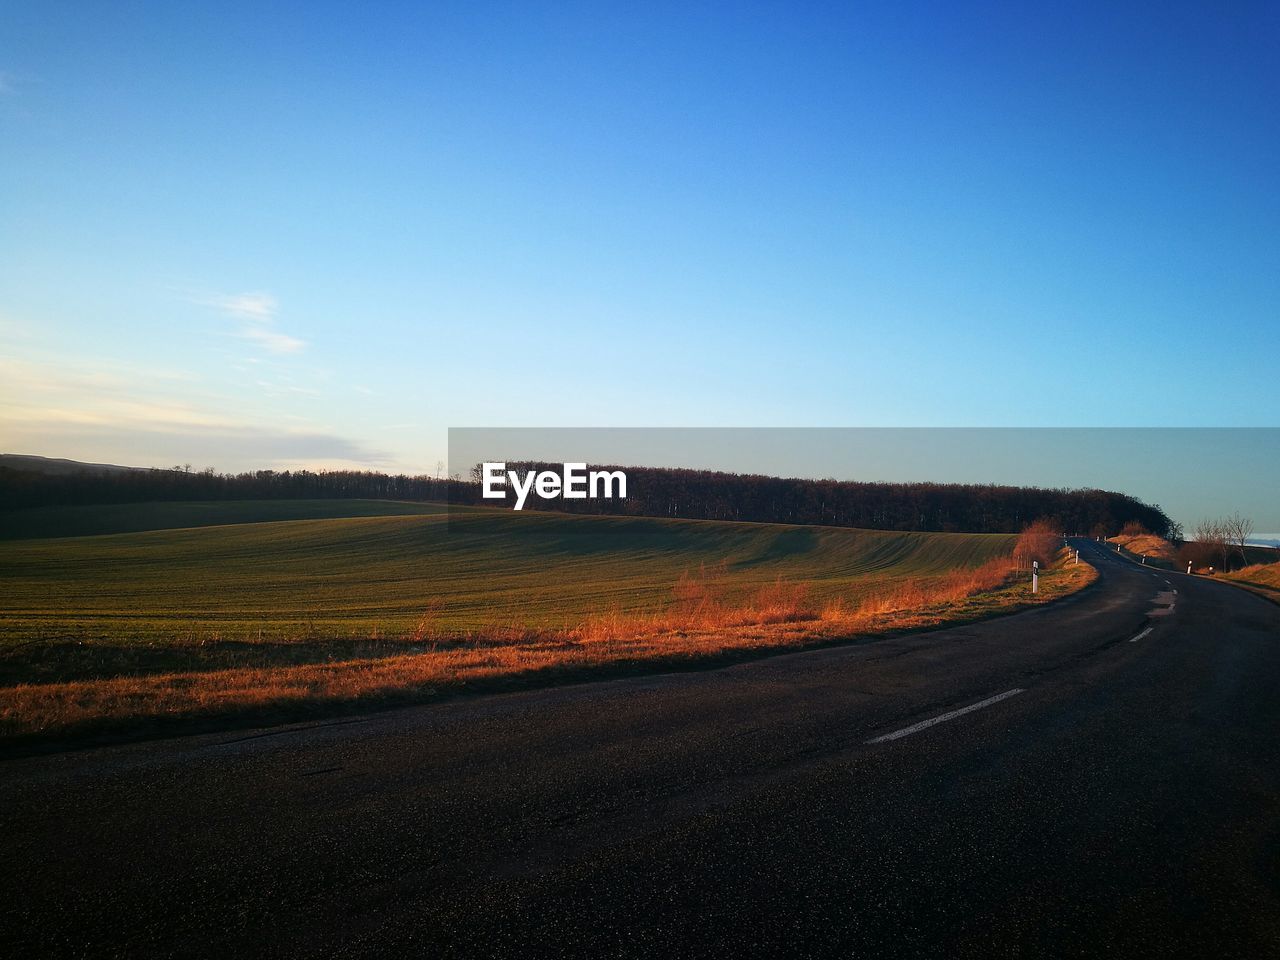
(1111, 797)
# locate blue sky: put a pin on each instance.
(310, 234)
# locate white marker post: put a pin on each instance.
(1188, 568)
(1144, 559)
(1077, 559)
(1035, 576)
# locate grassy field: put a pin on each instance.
(381, 575)
(238, 610)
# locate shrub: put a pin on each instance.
(1199, 554)
(1038, 541)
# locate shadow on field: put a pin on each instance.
(72, 660)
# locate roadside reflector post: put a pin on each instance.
(1144, 559)
(1035, 576)
(1077, 559)
(1188, 566)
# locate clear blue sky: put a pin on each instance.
(317, 234)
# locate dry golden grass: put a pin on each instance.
(1147, 544)
(1264, 577)
(699, 625)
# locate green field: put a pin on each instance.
(87, 521)
(291, 570)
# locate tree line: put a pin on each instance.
(652, 492)
(924, 507)
(23, 488)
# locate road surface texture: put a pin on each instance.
(1106, 796)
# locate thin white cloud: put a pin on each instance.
(255, 315)
(11, 329)
(134, 414)
(272, 340)
(74, 394)
(258, 306)
(285, 389)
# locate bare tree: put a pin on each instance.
(1212, 533)
(1238, 530)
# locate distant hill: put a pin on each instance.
(58, 467)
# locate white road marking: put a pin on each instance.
(1140, 636)
(925, 724)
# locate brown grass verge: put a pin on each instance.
(1261, 578)
(701, 627)
(1148, 545)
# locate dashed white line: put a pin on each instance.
(1140, 636)
(925, 724)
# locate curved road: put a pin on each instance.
(1038, 785)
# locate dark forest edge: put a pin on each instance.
(653, 492)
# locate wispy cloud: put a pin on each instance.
(71, 393)
(273, 340)
(259, 307)
(255, 315)
(16, 84)
(138, 415)
(11, 329)
(285, 389)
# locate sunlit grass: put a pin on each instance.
(1263, 576)
(1155, 549)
